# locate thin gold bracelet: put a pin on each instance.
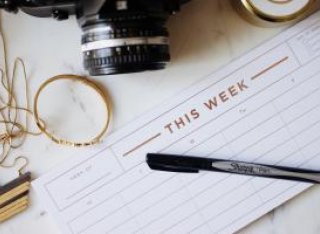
(85, 81)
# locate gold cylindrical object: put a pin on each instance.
(274, 12)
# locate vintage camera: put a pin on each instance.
(119, 36)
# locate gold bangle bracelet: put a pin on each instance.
(86, 82)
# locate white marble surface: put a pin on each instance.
(206, 35)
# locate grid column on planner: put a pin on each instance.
(123, 228)
(104, 191)
(172, 218)
(90, 218)
(214, 145)
(296, 157)
(308, 149)
(69, 186)
(306, 126)
(216, 190)
(149, 190)
(163, 208)
(229, 218)
(307, 44)
(228, 202)
(243, 146)
(312, 152)
(202, 230)
(279, 152)
(255, 110)
(105, 224)
(250, 121)
(268, 150)
(187, 224)
(248, 217)
(156, 195)
(282, 196)
(148, 200)
(274, 189)
(209, 185)
(300, 97)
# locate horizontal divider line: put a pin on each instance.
(141, 144)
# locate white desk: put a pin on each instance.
(204, 36)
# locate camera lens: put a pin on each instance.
(125, 44)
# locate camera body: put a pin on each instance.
(119, 36)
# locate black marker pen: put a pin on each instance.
(188, 164)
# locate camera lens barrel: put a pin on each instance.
(130, 44)
(119, 36)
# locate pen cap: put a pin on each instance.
(172, 163)
(274, 12)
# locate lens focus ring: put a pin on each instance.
(124, 59)
(125, 47)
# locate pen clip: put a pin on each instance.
(169, 164)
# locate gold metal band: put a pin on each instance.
(254, 15)
(285, 18)
(86, 82)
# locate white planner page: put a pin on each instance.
(263, 107)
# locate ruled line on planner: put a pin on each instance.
(142, 144)
(294, 53)
(269, 68)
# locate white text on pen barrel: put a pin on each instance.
(248, 169)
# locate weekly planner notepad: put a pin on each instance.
(263, 107)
